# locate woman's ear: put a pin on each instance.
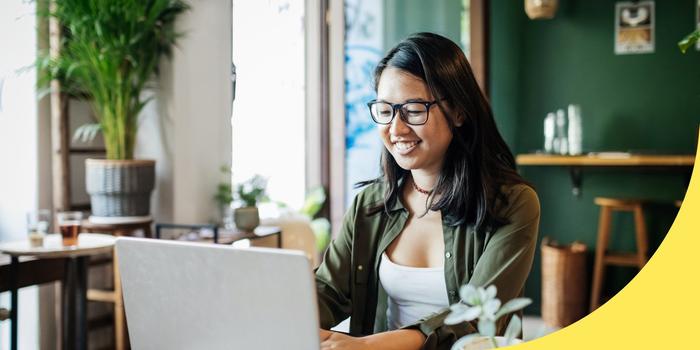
(459, 121)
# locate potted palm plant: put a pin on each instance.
(109, 54)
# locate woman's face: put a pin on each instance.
(414, 147)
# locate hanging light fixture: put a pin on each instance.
(541, 9)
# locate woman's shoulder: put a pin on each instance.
(371, 195)
(521, 202)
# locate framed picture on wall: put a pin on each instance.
(634, 27)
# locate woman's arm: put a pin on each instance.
(333, 275)
(402, 339)
(507, 258)
(505, 263)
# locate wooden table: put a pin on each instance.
(74, 280)
(606, 159)
(223, 236)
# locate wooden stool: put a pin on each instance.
(602, 257)
(115, 296)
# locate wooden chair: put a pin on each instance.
(115, 296)
(602, 256)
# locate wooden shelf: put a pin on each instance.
(87, 150)
(604, 160)
(80, 206)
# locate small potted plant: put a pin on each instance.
(482, 305)
(249, 193)
(224, 196)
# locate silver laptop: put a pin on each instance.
(181, 295)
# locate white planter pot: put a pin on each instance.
(483, 343)
(120, 188)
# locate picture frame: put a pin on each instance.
(634, 27)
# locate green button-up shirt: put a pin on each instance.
(348, 279)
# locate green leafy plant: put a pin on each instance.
(224, 191)
(689, 40)
(252, 192)
(482, 305)
(109, 53)
(321, 227)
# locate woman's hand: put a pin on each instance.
(400, 339)
(340, 341)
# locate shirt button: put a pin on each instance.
(448, 255)
(359, 267)
(453, 293)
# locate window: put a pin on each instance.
(20, 139)
(269, 106)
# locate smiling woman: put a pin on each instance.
(448, 209)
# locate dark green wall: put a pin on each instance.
(405, 17)
(647, 102)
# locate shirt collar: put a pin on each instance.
(398, 203)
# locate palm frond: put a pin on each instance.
(110, 51)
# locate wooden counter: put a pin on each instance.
(606, 160)
(683, 162)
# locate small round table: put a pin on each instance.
(74, 280)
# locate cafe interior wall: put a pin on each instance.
(638, 102)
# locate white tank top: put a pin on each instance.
(414, 292)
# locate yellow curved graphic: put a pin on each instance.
(660, 307)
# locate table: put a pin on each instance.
(119, 228)
(230, 236)
(74, 280)
(214, 234)
(606, 159)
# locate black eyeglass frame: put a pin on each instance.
(399, 107)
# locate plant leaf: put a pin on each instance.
(313, 202)
(471, 313)
(41, 92)
(469, 294)
(491, 307)
(322, 231)
(455, 315)
(461, 313)
(513, 329)
(689, 40)
(487, 328)
(87, 132)
(513, 305)
(491, 292)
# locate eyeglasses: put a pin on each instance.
(413, 113)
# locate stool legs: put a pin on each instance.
(603, 258)
(641, 233)
(119, 319)
(601, 246)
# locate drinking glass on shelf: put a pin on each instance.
(38, 222)
(69, 223)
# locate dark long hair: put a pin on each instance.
(477, 161)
